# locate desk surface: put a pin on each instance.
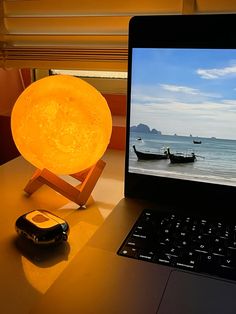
(26, 273)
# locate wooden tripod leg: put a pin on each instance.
(34, 183)
(78, 194)
(89, 181)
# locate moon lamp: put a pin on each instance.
(62, 125)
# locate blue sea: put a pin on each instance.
(216, 158)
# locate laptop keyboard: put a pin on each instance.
(185, 242)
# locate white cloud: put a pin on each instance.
(180, 89)
(141, 98)
(211, 74)
(230, 102)
(188, 92)
(201, 119)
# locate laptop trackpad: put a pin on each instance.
(188, 293)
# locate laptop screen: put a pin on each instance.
(183, 114)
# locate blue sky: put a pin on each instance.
(185, 91)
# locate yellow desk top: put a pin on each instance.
(26, 272)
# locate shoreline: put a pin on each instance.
(184, 176)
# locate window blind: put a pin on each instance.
(79, 34)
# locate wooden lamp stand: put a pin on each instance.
(79, 194)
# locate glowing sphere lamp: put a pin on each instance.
(62, 125)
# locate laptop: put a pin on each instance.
(169, 246)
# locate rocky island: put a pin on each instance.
(143, 128)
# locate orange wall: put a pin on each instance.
(10, 88)
(117, 105)
(12, 82)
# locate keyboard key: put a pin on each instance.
(136, 242)
(228, 268)
(232, 245)
(140, 236)
(228, 263)
(181, 243)
(128, 251)
(209, 263)
(146, 255)
(201, 248)
(220, 251)
(186, 265)
(165, 240)
(166, 259)
(173, 251)
(217, 241)
(187, 259)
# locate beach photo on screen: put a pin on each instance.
(183, 114)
